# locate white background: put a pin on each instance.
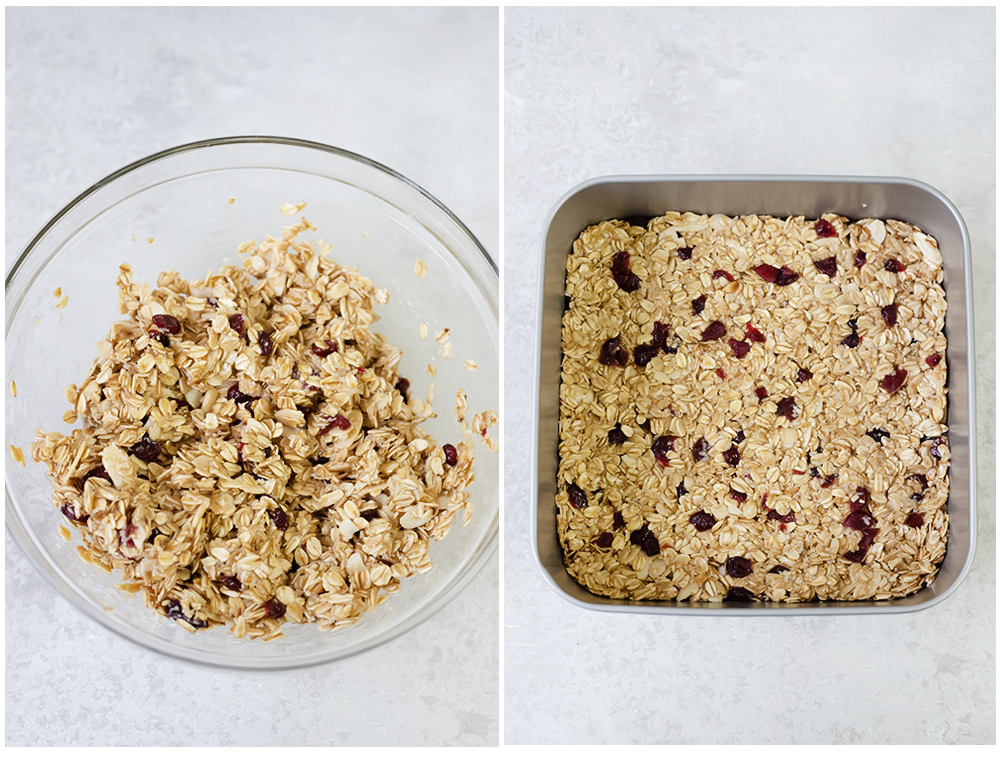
(891, 92)
(91, 90)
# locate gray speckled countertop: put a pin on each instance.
(892, 92)
(90, 90)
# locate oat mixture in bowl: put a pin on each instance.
(753, 408)
(248, 431)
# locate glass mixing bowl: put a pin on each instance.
(188, 209)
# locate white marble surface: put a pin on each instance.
(90, 90)
(591, 92)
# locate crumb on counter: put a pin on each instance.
(17, 454)
(471, 365)
(13, 388)
(63, 302)
(420, 269)
(423, 331)
(431, 369)
(231, 201)
(288, 209)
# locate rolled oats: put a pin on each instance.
(753, 408)
(249, 454)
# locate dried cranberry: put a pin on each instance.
(785, 277)
(280, 518)
(867, 538)
(403, 386)
(331, 346)
(766, 272)
(739, 497)
(827, 265)
(146, 450)
(914, 520)
(618, 520)
(240, 398)
(612, 354)
(754, 334)
(624, 278)
(265, 343)
(935, 448)
(68, 512)
(616, 436)
(702, 520)
(738, 567)
(825, 229)
(684, 253)
(892, 382)
(645, 426)
(732, 456)
(450, 455)
(176, 611)
(740, 349)
(160, 337)
(860, 259)
(604, 539)
(230, 582)
(894, 266)
(577, 497)
(786, 408)
(878, 435)
(646, 540)
(644, 354)
(97, 471)
(722, 274)
(681, 490)
(274, 609)
(920, 479)
(862, 499)
(852, 340)
(661, 445)
(720, 373)
(237, 323)
(859, 520)
(804, 375)
(889, 313)
(739, 595)
(761, 392)
(933, 360)
(740, 436)
(828, 481)
(778, 569)
(788, 518)
(700, 450)
(698, 304)
(167, 323)
(713, 331)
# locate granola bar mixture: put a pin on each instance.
(249, 452)
(753, 408)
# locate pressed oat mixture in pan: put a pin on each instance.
(753, 408)
(249, 452)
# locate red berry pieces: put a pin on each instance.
(878, 435)
(782, 277)
(722, 274)
(919, 479)
(914, 520)
(738, 567)
(860, 259)
(788, 518)
(274, 609)
(739, 595)
(700, 450)
(660, 333)
(328, 346)
(369, 514)
(403, 386)
(828, 481)
(698, 304)
(684, 253)
(825, 229)
(279, 518)
(933, 360)
(616, 436)
(662, 445)
(894, 266)
(146, 450)
(889, 313)
(176, 611)
(160, 337)
(643, 354)
(852, 340)
(98, 471)
(646, 540)
(804, 375)
(617, 520)
(766, 272)
(713, 331)
(892, 382)
(859, 520)
(612, 354)
(861, 500)
(761, 393)
(236, 323)
(732, 456)
(265, 343)
(739, 497)
(234, 394)
(754, 334)
(68, 512)
(787, 408)
(230, 582)
(720, 373)
(702, 520)
(167, 324)
(604, 539)
(624, 278)
(740, 349)
(450, 455)
(867, 538)
(778, 569)
(935, 450)
(785, 277)
(577, 497)
(827, 265)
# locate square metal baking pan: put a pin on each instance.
(810, 196)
